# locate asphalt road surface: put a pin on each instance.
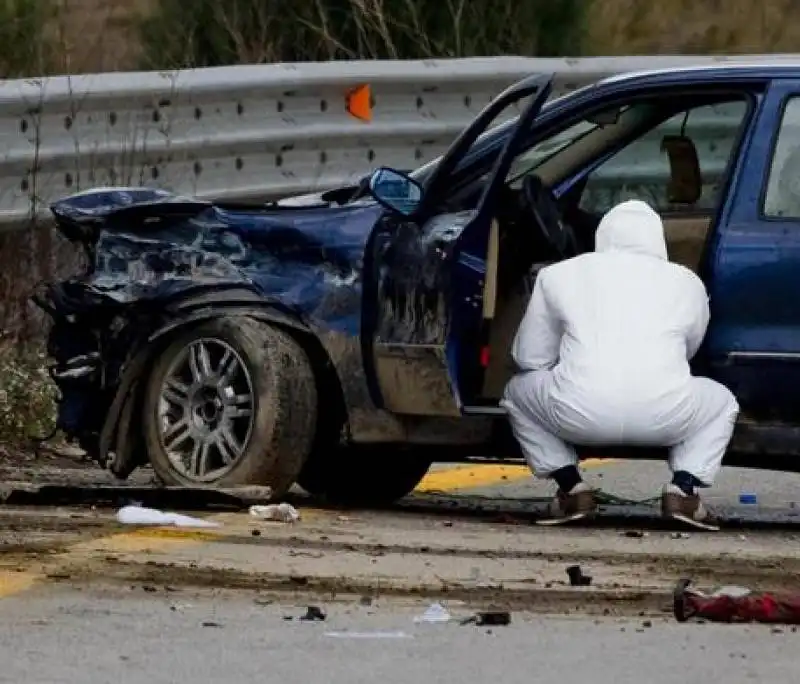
(98, 636)
(86, 599)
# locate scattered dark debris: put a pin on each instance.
(577, 578)
(494, 618)
(255, 533)
(58, 575)
(312, 614)
(149, 588)
(210, 623)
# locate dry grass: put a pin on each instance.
(98, 35)
(27, 395)
(618, 27)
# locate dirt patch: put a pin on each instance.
(539, 600)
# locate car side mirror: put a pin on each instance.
(396, 191)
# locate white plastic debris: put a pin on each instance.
(368, 635)
(434, 614)
(732, 591)
(282, 512)
(139, 515)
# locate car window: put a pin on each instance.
(501, 129)
(529, 160)
(642, 170)
(783, 185)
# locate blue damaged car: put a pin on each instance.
(345, 341)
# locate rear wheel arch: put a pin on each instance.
(122, 432)
(231, 401)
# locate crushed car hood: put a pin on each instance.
(145, 243)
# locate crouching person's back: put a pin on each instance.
(603, 353)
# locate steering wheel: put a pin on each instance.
(541, 203)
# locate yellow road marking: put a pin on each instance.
(471, 477)
(152, 539)
(16, 582)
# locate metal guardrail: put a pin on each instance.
(254, 132)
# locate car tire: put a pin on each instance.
(364, 476)
(269, 446)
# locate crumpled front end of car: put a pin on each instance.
(150, 252)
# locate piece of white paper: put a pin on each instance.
(435, 613)
(368, 635)
(139, 515)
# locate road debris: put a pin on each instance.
(680, 535)
(489, 618)
(140, 515)
(282, 512)
(435, 613)
(368, 635)
(313, 614)
(577, 578)
(735, 604)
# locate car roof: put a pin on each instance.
(745, 69)
(755, 69)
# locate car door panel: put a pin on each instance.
(414, 290)
(430, 289)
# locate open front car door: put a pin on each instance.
(434, 274)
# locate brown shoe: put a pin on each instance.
(687, 508)
(578, 504)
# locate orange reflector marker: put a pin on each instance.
(358, 102)
(485, 356)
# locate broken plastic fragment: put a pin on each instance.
(369, 635)
(490, 618)
(283, 512)
(435, 613)
(577, 578)
(313, 614)
(732, 591)
(139, 515)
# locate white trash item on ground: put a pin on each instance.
(282, 512)
(435, 613)
(139, 515)
(368, 635)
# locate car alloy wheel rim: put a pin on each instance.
(206, 410)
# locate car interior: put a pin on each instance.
(558, 190)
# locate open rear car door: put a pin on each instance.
(435, 274)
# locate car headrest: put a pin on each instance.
(686, 179)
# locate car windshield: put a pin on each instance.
(421, 174)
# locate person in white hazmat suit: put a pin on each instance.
(603, 356)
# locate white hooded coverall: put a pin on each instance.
(603, 352)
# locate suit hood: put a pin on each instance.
(632, 227)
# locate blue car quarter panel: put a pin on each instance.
(149, 247)
(754, 336)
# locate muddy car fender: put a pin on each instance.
(119, 433)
